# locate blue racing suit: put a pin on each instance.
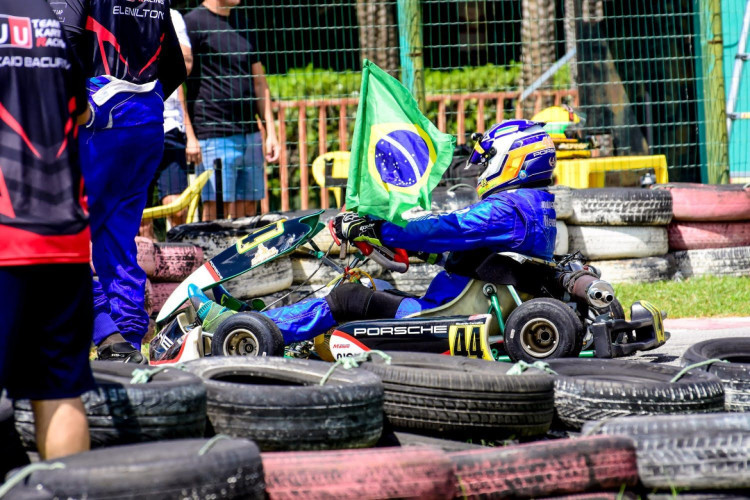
(132, 60)
(521, 221)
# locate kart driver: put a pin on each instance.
(132, 60)
(515, 213)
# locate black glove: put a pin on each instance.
(349, 226)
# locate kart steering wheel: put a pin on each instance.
(392, 259)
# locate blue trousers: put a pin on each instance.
(310, 318)
(118, 165)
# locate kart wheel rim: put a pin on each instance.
(241, 342)
(539, 338)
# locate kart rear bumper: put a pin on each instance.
(645, 332)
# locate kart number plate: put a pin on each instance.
(658, 321)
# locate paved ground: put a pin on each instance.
(686, 332)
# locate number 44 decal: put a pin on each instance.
(469, 341)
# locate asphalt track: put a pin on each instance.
(688, 331)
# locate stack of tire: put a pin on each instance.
(710, 231)
(622, 231)
(166, 265)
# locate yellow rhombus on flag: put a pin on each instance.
(398, 155)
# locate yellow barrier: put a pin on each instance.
(188, 198)
(593, 172)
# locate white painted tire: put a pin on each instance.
(266, 279)
(303, 268)
(733, 261)
(621, 207)
(618, 242)
(643, 270)
(146, 255)
(561, 241)
(415, 281)
(563, 201)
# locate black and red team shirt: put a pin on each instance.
(132, 40)
(42, 219)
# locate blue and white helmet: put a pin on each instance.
(514, 154)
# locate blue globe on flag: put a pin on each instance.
(402, 157)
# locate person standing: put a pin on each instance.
(44, 232)
(223, 103)
(132, 60)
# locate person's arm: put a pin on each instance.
(193, 152)
(263, 94)
(73, 14)
(171, 70)
(481, 225)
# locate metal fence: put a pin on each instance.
(646, 75)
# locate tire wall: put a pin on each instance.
(710, 230)
(622, 231)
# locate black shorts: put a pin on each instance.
(46, 327)
(172, 175)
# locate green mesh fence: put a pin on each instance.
(641, 74)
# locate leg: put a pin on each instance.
(179, 217)
(250, 185)
(118, 166)
(173, 177)
(61, 427)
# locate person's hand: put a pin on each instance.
(273, 149)
(193, 152)
(349, 226)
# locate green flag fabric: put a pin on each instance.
(398, 156)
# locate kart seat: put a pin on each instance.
(526, 274)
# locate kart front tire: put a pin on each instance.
(542, 329)
(247, 334)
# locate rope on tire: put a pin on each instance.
(349, 362)
(144, 375)
(211, 442)
(26, 472)
(522, 366)
(707, 362)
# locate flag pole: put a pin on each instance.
(410, 41)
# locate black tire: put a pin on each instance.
(247, 334)
(710, 451)
(172, 405)
(278, 403)
(173, 469)
(735, 375)
(408, 439)
(432, 393)
(700, 495)
(12, 453)
(598, 389)
(621, 207)
(542, 329)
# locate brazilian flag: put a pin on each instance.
(398, 155)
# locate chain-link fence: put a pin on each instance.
(641, 74)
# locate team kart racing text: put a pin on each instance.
(513, 308)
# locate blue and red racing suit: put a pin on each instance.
(521, 221)
(132, 59)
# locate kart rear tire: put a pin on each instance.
(413, 472)
(621, 207)
(735, 375)
(599, 389)
(279, 404)
(247, 334)
(542, 329)
(190, 468)
(172, 405)
(700, 452)
(437, 394)
(546, 468)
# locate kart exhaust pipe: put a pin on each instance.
(596, 292)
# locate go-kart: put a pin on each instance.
(514, 305)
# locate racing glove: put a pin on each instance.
(352, 227)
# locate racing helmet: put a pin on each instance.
(560, 121)
(514, 154)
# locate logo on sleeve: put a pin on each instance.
(15, 32)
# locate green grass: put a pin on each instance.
(706, 296)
